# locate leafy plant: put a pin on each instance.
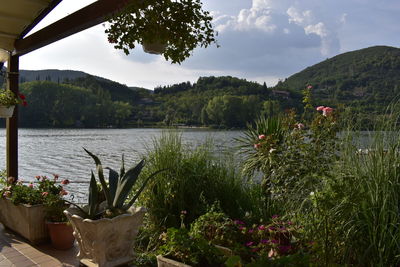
(116, 191)
(9, 98)
(196, 251)
(153, 21)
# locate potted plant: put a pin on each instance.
(173, 28)
(8, 100)
(105, 230)
(180, 249)
(60, 230)
(22, 206)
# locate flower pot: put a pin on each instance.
(61, 235)
(6, 112)
(165, 262)
(154, 48)
(106, 242)
(26, 220)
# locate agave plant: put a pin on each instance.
(116, 192)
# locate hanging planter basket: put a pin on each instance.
(6, 112)
(154, 48)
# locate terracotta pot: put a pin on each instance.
(6, 112)
(61, 235)
(106, 242)
(26, 220)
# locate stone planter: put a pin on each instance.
(6, 112)
(106, 242)
(165, 262)
(26, 220)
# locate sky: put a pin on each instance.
(260, 40)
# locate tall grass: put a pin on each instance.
(355, 217)
(195, 178)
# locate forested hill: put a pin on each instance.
(365, 81)
(362, 82)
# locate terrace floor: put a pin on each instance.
(16, 252)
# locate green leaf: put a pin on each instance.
(113, 178)
(127, 206)
(103, 183)
(93, 196)
(127, 183)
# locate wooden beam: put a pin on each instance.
(12, 123)
(82, 19)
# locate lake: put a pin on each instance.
(48, 151)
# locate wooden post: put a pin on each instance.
(12, 123)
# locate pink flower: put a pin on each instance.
(249, 244)
(284, 249)
(65, 182)
(30, 185)
(251, 231)
(320, 108)
(261, 227)
(299, 126)
(44, 194)
(261, 136)
(274, 241)
(326, 111)
(257, 146)
(238, 222)
(183, 212)
(309, 86)
(275, 216)
(265, 241)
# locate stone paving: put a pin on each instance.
(16, 252)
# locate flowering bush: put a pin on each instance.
(8, 98)
(46, 191)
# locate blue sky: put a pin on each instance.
(261, 40)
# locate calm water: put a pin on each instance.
(48, 151)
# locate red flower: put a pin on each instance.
(257, 146)
(24, 103)
(65, 181)
(22, 96)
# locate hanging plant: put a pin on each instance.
(171, 27)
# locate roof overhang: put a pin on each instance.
(19, 17)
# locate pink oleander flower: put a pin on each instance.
(299, 126)
(257, 146)
(65, 182)
(251, 231)
(264, 241)
(261, 227)
(320, 108)
(44, 194)
(309, 86)
(30, 185)
(327, 111)
(261, 136)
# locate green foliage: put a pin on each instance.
(8, 98)
(179, 245)
(193, 180)
(161, 22)
(58, 105)
(116, 192)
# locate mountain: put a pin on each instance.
(366, 80)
